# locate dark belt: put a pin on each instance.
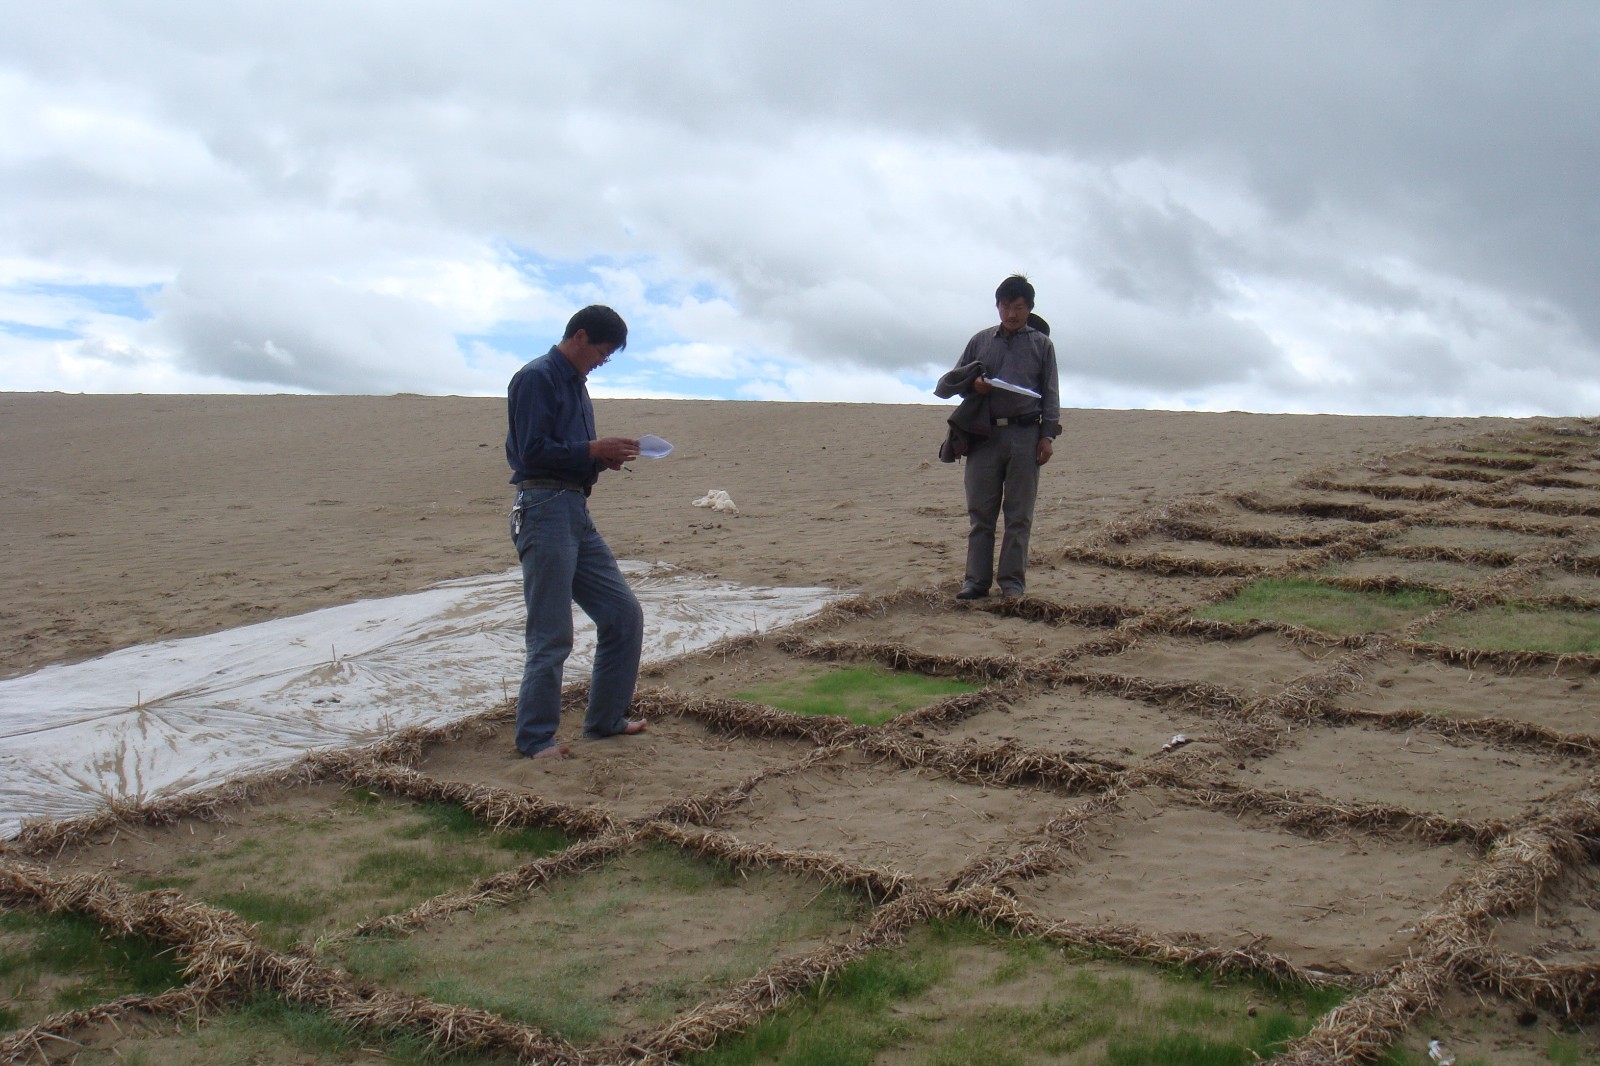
(552, 483)
(1019, 420)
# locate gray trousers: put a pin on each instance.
(1002, 474)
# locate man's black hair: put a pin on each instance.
(1013, 287)
(600, 324)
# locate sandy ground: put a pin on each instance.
(213, 511)
(135, 518)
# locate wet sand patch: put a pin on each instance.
(1566, 701)
(925, 825)
(1095, 725)
(1416, 770)
(1086, 583)
(1340, 905)
(1254, 667)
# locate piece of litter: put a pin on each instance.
(1438, 1054)
(717, 500)
(1178, 740)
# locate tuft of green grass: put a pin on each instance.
(268, 1029)
(277, 914)
(1335, 611)
(956, 993)
(453, 821)
(84, 965)
(538, 962)
(1563, 1050)
(866, 695)
(1513, 627)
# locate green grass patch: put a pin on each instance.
(266, 1031)
(956, 993)
(632, 943)
(866, 695)
(1335, 611)
(302, 871)
(58, 962)
(1510, 627)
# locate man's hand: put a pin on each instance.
(981, 386)
(614, 451)
(1044, 451)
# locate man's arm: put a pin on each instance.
(957, 380)
(1049, 404)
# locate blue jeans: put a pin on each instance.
(565, 561)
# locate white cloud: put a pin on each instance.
(1366, 206)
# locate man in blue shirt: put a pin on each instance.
(556, 456)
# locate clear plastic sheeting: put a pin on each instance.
(184, 714)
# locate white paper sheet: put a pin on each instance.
(654, 447)
(1020, 390)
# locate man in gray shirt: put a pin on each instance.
(1002, 472)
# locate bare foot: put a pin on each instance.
(635, 725)
(554, 751)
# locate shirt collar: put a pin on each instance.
(565, 367)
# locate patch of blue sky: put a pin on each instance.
(636, 374)
(510, 339)
(39, 333)
(123, 301)
(561, 274)
(675, 292)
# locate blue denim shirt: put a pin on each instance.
(551, 422)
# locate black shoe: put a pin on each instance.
(971, 592)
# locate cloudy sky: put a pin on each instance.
(1358, 207)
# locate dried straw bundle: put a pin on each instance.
(1508, 663)
(1312, 508)
(1500, 732)
(748, 1002)
(1443, 554)
(1052, 848)
(1320, 818)
(1143, 523)
(1478, 472)
(1570, 991)
(997, 909)
(707, 808)
(897, 656)
(1492, 462)
(1165, 565)
(37, 1042)
(876, 884)
(1232, 537)
(1033, 609)
(740, 717)
(507, 886)
(497, 806)
(1362, 1027)
(1424, 493)
(39, 839)
(1007, 763)
(1565, 508)
(1200, 696)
